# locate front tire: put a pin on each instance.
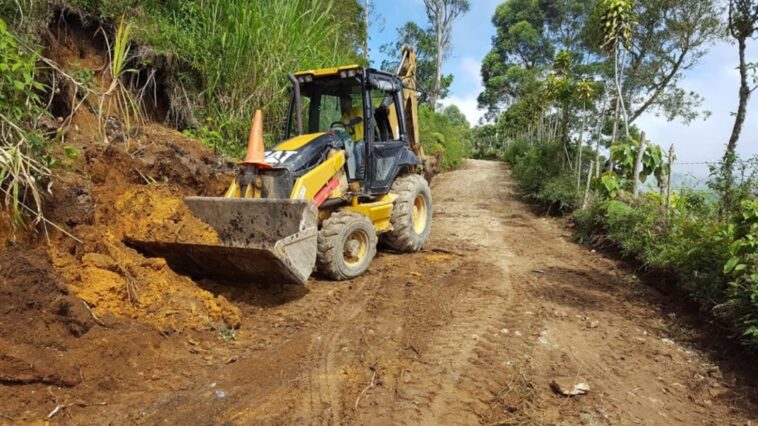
(411, 215)
(346, 245)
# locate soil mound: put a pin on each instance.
(128, 185)
(104, 204)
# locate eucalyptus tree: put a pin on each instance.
(442, 14)
(742, 25)
(423, 41)
(669, 37)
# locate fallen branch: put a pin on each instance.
(94, 317)
(44, 219)
(370, 385)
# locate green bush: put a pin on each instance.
(220, 60)
(537, 169)
(448, 131)
(516, 149)
(715, 260)
(23, 149)
(742, 269)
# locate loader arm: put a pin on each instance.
(407, 73)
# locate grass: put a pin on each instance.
(118, 95)
(23, 156)
(237, 55)
(214, 60)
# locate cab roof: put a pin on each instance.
(325, 72)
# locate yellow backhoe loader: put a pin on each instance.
(346, 178)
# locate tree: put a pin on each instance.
(742, 25)
(350, 14)
(612, 24)
(423, 42)
(670, 37)
(529, 32)
(442, 14)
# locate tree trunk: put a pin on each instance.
(730, 155)
(438, 65)
(614, 133)
(564, 130)
(668, 178)
(599, 133)
(585, 201)
(638, 167)
(579, 146)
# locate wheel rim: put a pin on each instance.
(419, 216)
(355, 248)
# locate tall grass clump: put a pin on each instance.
(215, 61)
(119, 98)
(238, 54)
(23, 153)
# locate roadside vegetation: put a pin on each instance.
(445, 132)
(199, 66)
(565, 83)
(212, 62)
(24, 163)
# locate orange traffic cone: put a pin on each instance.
(255, 154)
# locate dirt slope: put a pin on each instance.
(472, 330)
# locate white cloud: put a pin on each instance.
(468, 84)
(717, 80)
(468, 106)
(471, 69)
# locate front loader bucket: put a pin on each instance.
(262, 240)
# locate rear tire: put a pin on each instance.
(411, 215)
(346, 245)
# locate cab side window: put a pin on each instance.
(385, 116)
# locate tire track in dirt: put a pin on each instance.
(443, 391)
(470, 331)
(324, 382)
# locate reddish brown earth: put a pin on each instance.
(472, 330)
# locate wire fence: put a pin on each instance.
(693, 175)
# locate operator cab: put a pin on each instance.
(335, 102)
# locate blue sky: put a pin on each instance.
(715, 78)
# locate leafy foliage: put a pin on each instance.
(714, 259)
(447, 131)
(422, 40)
(534, 168)
(23, 149)
(742, 269)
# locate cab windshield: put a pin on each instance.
(325, 101)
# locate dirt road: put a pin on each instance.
(472, 330)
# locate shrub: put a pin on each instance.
(23, 149)
(220, 60)
(447, 131)
(742, 269)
